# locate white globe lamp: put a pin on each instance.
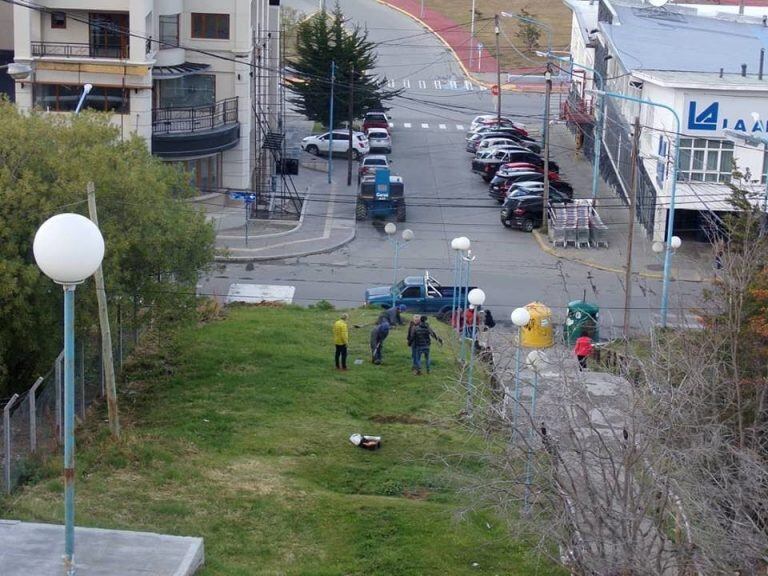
(390, 228)
(476, 297)
(407, 234)
(462, 243)
(520, 317)
(675, 242)
(68, 248)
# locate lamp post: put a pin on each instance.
(68, 248)
(407, 236)
(671, 209)
(476, 298)
(86, 90)
(467, 258)
(460, 244)
(598, 134)
(17, 71)
(536, 359)
(520, 317)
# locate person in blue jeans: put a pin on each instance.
(420, 342)
(378, 335)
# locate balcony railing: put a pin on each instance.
(197, 119)
(78, 50)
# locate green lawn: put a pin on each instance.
(237, 431)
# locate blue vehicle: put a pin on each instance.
(381, 195)
(418, 294)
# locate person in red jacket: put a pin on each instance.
(583, 349)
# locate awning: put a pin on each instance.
(179, 71)
(710, 196)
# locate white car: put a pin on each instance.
(496, 142)
(489, 119)
(379, 140)
(321, 144)
(370, 164)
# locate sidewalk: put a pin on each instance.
(691, 263)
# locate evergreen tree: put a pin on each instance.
(323, 39)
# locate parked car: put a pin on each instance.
(534, 186)
(491, 119)
(375, 119)
(322, 144)
(495, 128)
(473, 141)
(487, 167)
(379, 140)
(503, 181)
(418, 294)
(537, 189)
(369, 164)
(524, 212)
(487, 143)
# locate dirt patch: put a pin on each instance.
(416, 494)
(397, 419)
(253, 476)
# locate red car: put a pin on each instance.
(375, 120)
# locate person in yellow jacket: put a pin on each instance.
(341, 340)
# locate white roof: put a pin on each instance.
(708, 196)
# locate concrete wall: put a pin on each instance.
(6, 26)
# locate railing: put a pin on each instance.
(197, 119)
(78, 50)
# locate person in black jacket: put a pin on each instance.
(421, 340)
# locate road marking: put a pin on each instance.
(441, 126)
(422, 84)
(438, 84)
(459, 127)
(453, 85)
(468, 85)
(406, 83)
(406, 124)
(391, 83)
(482, 88)
(391, 125)
(255, 293)
(424, 125)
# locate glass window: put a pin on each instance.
(712, 158)
(213, 26)
(187, 91)
(108, 35)
(204, 173)
(704, 160)
(58, 20)
(169, 31)
(64, 98)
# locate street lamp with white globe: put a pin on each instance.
(536, 360)
(458, 245)
(476, 299)
(407, 235)
(520, 317)
(69, 248)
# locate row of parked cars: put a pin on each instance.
(375, 137)
(510, 161)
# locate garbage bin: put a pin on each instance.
(538, 332)
(582, 318)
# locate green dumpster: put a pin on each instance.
(582, 319)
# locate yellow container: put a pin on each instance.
(538, 333)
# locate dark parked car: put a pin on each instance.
(375, 119)
(529, 143)
(500, 184)
(487, 167)
(524, 212)
(559, 185)
(556, 196)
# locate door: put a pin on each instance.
(108, 35)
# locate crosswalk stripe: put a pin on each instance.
(438, 84)
(422, 83)
(453, 85)
(442, 126)
(406, 124)
(406, 83)
(424, 125)
(468, 85)
(391, 83)
(459, 127)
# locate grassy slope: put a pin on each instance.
(552, 12)
(244, 442)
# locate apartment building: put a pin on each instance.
(178, 73)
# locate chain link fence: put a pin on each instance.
(33, 422)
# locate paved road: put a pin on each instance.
(445, 199)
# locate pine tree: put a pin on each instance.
(323, 39)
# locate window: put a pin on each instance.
(704, 160)
(411, 292)
(204, 173)
(64, 98)
(108, 35)
(214, 26)
(58, 20)
(169, 31)
(188, 91)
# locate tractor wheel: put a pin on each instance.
(361, 211)
(400, 212)
(312, 149)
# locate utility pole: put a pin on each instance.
(350, 113)
(472, 35)
(547, 96)
(330, 124)
(631, 230)
(498, 69)
(106, 334)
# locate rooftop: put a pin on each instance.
(708, 80)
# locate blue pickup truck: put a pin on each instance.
(418, 294)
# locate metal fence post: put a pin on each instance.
(58, 377)
(82, 379)
(33, 415)
(7, 440)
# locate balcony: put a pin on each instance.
(78, 50)
(180, 132)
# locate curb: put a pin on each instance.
(278, 234)
(246, 259)
(545, 247)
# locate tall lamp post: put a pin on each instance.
(671, 210)
(536, 359)
(476, 298)
(520, 317)
(69, 248)
(407, 236)
(459, 245)
(598, 134)
(467, 258)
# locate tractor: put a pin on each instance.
(381, 195)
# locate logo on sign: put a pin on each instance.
(704, 120)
